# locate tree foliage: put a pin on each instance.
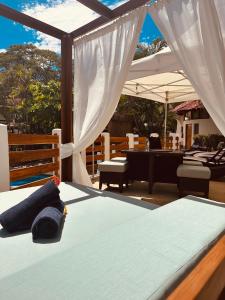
(148, 115)
(144, 50)
(30, 87)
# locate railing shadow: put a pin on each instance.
(94, 193)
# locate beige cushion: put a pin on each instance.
(192, 162)
(112, 166)
(190, 171)
(119, 159)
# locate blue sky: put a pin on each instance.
(64, 14)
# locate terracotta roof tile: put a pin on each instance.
(189, 105)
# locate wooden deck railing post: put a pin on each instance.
(106, 136)
(58, 132)
(131, 140)
(178, 142)
(4, 158)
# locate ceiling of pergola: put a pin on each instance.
(96, 14)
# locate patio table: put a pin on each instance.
(153, 165)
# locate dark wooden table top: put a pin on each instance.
(155, 151)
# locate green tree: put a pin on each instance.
(30, 87)
(42, 109)
(144, 50)
(148, 115)
(42, 65)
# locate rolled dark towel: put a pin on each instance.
(47, 223)
(21, 216)
(59, 205)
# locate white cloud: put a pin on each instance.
(2, 50)
(47, 42)
(67, 15)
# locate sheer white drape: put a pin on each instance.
(195, 31)
(101, 64)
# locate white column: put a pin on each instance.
(58, 131)
(166, 116)
(173, 135)
(106, 136)
(131, 140)
(4, 154)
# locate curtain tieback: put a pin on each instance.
(68, 149)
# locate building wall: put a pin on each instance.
(206, 126)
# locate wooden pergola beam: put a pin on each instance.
(128, 6)
(98, 7)
(28, 21)
(117, 12)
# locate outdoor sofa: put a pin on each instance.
(115, 247)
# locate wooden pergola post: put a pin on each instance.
(66, 102)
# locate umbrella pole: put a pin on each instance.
(166, 116)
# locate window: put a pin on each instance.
(196, 128)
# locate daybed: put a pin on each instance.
(114, 247)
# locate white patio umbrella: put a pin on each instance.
(158, 78)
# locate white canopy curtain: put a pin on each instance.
(101, 64)
(195, 32)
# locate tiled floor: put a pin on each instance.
(165, 193)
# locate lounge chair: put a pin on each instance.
(206, 158)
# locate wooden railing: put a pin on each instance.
(140, 143)
(169, 143)
(32, 155)
(117, 144)
(95, 153)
